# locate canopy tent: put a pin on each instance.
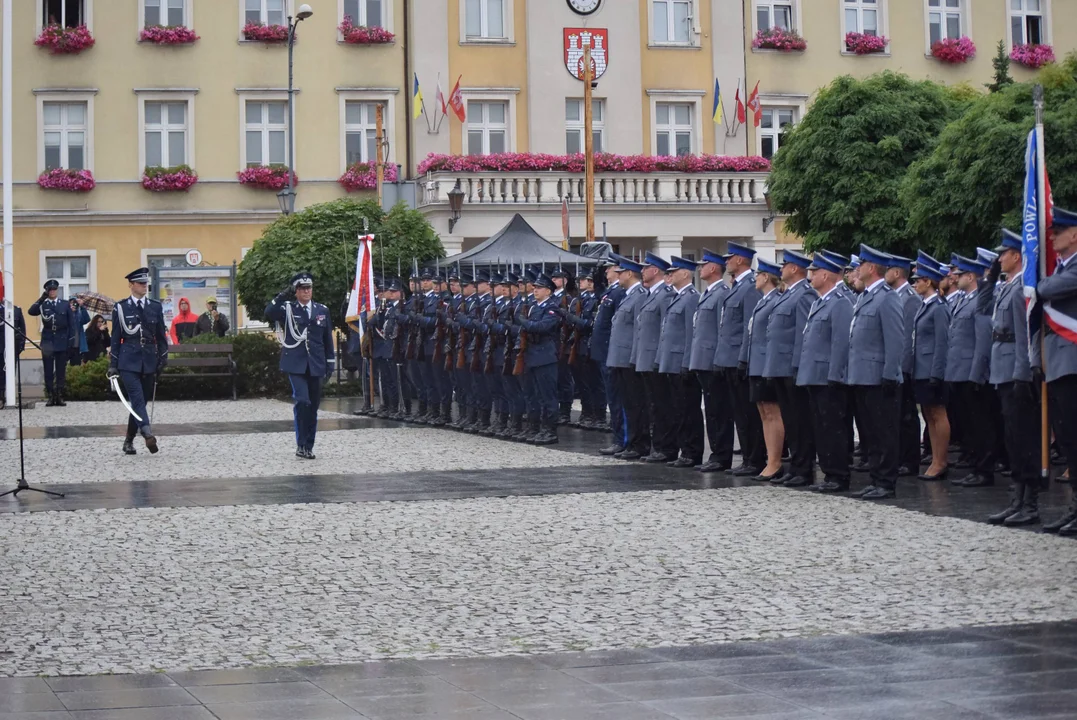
(517, 243)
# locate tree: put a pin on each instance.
(322, 239)
(1002, 69)
(973, 180)
(838, 172)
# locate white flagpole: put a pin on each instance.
(9, 230)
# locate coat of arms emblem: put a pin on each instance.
(576, 39)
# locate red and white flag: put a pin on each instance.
(440, 97)
(363, 297)
(742, 114)
(755, 106)
(456, 101)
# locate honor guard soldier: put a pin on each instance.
(580, 319)
(717, 397)
(384, 368)
(620, 361)
(897, 277)
(785, 337)
(608, 302)
(542, 325)
(306, 355)
(648, 329)
(876, 348)
(566, 390)
(685, 395)
(930, 349)
(438, 384)
(59, 333)
(511, 406)
(737, 307)
(138, 354)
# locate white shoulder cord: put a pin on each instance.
(290, 327)
(123, 324)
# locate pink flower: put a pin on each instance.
(64, 40)
(863, 44)
(364, 35)
(364, 176)
(604, 162)
(167, 35)
(954, 51)
(67, 180)
(265, 33)
(1033, 56)
(776, 38)
(266, 178)
(162, 179)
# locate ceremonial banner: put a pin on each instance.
(363, 297)
(1036, 216)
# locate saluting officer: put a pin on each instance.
(717, 392)
(897, 277)
(542, 326)
(646, 333)
(306, 355)
(608, 302)
(674, 358)
(620, 361)
(138, 354)
(59, 332)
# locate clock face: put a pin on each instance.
(584, 7)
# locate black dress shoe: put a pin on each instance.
(961, 480)
(628, 455)
(300, 453)
(611, 450)
(745, 471)
(797, 481)
(878, 494)
(683, 463)
(308, 454)
(861, 466)
(831, 486)
(865, 491)
(978, 481)
(962, 464)
(129, 447)
(769, 478)
(712, 467)
(906, 471)
(1063, 521)
(1069, 529)
(657, 457)
(780, 478)
(941, 476)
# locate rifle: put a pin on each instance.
(491, 342)
(451, 337)
(577, 335)
(463, 340)
(439, 337)
(476, 337)
(399, 353)
(518, 367)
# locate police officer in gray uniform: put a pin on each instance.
(897, 277)
(620, 361)
(717, 393)
(876, 348)
(674, 355)
(648, 330)
(823, 370)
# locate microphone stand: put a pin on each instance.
(21, 483)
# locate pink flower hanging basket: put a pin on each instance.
(175, 179)
(604, 162)
(67, 180)
(863, 44)
(265, 178)
(64, 40)
(265, 33)
(776, 38)
(1033, 56)
(954, 51)
(364, 176)
(167, 35)
(364, 35)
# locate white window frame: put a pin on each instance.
(145, 260)
(882, 10)
(797, 103)
(1044, 13)
(578, 125)
(264, 96)
(506, 96)
(510, 27)
(386, 11)
(966, 20)
(44, 255)
(288, 7)
(65, 96)
(188, 13)
(693, 98)
(39, 25)
(164, 97)
(755, 13)
(380, 95)
(694, 32)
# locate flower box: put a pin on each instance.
(64, 40)
(363, 35)
(364, 176)
(265, 178)
(863, 44)
(1033, 56)
(265, 33)
(776, 38)
(954, 51)
(173, 179)
(167, 35)
(604, 162)
(67, 180)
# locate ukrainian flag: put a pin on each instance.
(418, 99)
(718, 110)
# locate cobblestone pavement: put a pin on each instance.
(166, 412)
(123, 591)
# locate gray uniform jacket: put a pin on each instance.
(705, 332)
(737, 307)
(824, 356)
(876, 337)
(675, 342)
(649, 328)
(1004, 306)
(910, 305)
(624, 325)
(931, 331)
(1059, 293)
(785, 331)
(754, 350)
(962, 339)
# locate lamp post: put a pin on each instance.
(456, 204)
(286, 197)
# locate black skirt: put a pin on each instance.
(926, 394)
(761, 389)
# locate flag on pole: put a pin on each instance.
(440, 97)
(564, 224)
(417, 100)
(1037, 212)
(719, 111)
(456, 101)
(755, 106)
(742, 114)
(363, 297)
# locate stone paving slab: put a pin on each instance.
(167, 412)
(191, 589)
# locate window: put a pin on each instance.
(485, 19)
(487, 127)
(673, 128)
(945, 19)
(73, 274)
(68, 13)
(164, 12)
(365, 12)
(65, 135)
(163, 261)
(266, 128)
(672, 21)
(574, 126)
(166, 133)
(1027, 22)
(772, 128)
(773, 13)
(361, 132)
(862, 16)
(266, 12)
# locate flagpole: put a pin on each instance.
(1041, 217)
(588, 144)
(379, 120)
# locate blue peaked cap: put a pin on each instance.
(655, 261)
(629, 265)
(869, 254)
(922, 259)
(679, 263)
(1009, 241)
(769, 268)
(743, 250)
(1063, 218)
(821, 261)
(712, 257)
(835, 257)
(798, 259)
(929, 271)
(986, 256)
(967, 265)
(896, 261)
(854, 261)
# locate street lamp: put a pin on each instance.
(769, 220)
(456, 204)
(286, 197)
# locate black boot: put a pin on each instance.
(472, 421)
(129, 445)
(489, 426)
(461, 416)
(60, 398)
(1015, 505)
(1069, 516)
(151, 441)
(51, 402)
(548, 436)
(406, 415)
(513, 431)
(446, 412)
(532, 429)
(1029, 514)
(423, 415)
(441, 415)
(565, 416)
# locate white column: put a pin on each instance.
(764, 246)
(9, 230)
(666, 246)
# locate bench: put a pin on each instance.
(215, 361)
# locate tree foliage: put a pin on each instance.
(323, 240)
(973, 180)
(838, 172)
(1001, 63)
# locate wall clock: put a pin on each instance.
(584, 7)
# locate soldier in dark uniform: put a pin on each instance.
(514, 392)
(608, 302)
(485, 345)
(503, 390)
(59, 333)
(384, 369)
(542, 326)
(579, 318)
(396, 335)
(138, 354)
(306, 355)
(566, 389)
